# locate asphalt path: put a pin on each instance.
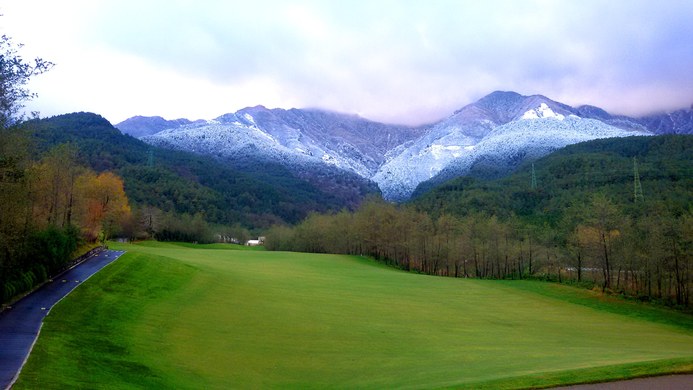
(20, 324)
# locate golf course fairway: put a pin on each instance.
(174, 316)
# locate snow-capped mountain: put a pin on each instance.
(515, 128)
(500, 130)
(528, 139)
(294, 137)
(677, 122)
(140, 126)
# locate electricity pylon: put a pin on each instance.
(637, 187)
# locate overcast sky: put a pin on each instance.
(393, 61)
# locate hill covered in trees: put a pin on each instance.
(614, 213)
(253, 195)
(567, 177)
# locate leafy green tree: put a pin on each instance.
(15, 73)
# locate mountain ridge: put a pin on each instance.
(504, 127)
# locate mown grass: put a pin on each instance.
(170, 316)
(238, 247)
(608, 303)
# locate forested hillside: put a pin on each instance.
(255, 195)
(565, 178)
(613, 213)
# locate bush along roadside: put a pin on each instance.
(48, 265)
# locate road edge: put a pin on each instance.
(31, 348)
(79, 260)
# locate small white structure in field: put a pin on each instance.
(260, 241)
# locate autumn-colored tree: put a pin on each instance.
(102, 204)
(52, 188)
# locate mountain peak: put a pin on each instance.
(498, 99)
(140, 126)
(495, 95)
(506, 106)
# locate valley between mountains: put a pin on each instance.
(488, 138)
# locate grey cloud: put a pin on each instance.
(413, 59)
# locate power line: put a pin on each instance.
(637, 186)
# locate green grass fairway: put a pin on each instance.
(172, 316)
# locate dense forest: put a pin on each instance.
(614, 213)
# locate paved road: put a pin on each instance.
(20, 325)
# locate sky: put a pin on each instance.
(406, 62)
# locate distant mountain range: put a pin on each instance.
(490, 138)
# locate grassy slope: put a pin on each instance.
(169, 316)
(156, 244)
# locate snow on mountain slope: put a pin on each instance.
(239, 138)
(509, 145)
(345, 141)
(422, 160)
(549, 133)
(677, 122)
(500, 130)
(504, 127)
(140, 126)
(620, 121)
(504, 107)
(217, 139)
(292, 137)
(543, 111)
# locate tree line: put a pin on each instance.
(49, 203)
(149, 222)
(49, 208)
(596, 243)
